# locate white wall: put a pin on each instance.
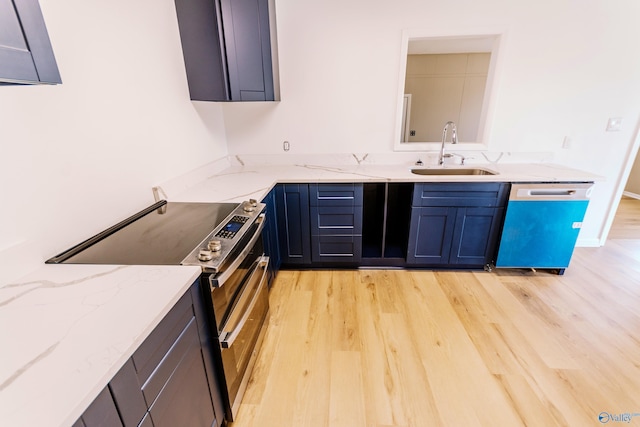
(567, 67)
(78, 156)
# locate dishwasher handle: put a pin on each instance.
(551, 191)
(559, 192)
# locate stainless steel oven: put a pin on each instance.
(240, 300)
(225, 240)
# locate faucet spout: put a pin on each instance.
(454, 139)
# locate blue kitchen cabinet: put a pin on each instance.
(270, 235)
(385, 223)
(336, 223)
(475, 236)
(101, 413)
(431, 235)
(169, 380)
(228, 48)
(26, 55)
(455, 224)
(294, 234)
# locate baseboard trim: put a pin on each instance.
(630, 194)
(588, 243)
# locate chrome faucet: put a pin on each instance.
(454, 140)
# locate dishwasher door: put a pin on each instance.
(542, 224)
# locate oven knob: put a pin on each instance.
(250, 206)
(205, 255)
(215, 245)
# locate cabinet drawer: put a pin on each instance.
(184, 399)
(335, 194)
(127, 394)
(102, 412)
(343, 220)
(163, 372)
(336, 248)
(460, 194)
(153, 349)
(169, 380)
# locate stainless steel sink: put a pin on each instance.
(452, 171)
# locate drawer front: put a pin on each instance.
(460, 194)
(343, 220)
(102, 412)
(153, 349)
(336, 249)
(164, 371)
(335, 194)
(127, 393)
(167, 380)
(184, 399)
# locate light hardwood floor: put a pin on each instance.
(626, 224)
(428, 348)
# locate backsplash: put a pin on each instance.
(394, 158)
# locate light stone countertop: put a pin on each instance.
(238, 183)
(65, 330)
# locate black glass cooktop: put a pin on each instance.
(160, 236)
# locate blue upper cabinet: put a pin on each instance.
(26, 56)
(229, 49)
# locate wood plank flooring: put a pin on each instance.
(385, 348)
(626, 224)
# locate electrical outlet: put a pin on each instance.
(566, 142)
(286, 146)
(412, 133)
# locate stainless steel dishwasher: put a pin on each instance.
(542, 224)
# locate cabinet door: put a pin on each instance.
(208, 342)
(127, 394)
(475, 236)
(101, 413)
(26, 55)
(227, 49)
(248, 46)
(293, 223)
(203, 49)
(270, 235)
(183, 396)
(431, 234)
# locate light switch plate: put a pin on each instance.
(614, 124)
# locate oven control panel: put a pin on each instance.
(214, 250)
(231, 228)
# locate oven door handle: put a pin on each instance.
(216, 281)
(227, 338)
